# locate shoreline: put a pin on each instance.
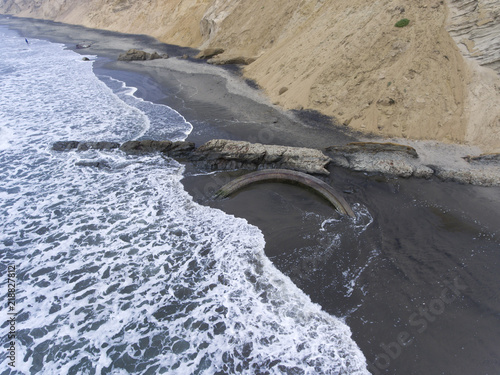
(291, 219)
(234, 109)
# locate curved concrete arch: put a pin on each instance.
(289, 176)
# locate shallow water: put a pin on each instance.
(118, 270)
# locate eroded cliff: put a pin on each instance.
(172, 21)
(432, 79)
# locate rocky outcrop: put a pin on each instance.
(374, 148)
(219, 154)
(137, 55)
(65, 145)
(392, 159)
(173, 149)
(94, 164)
(83, 45)
(133, 55)
(178, 149)
(231, 60)
(382, 158)
(226, 154)
(484, 159)
(386, 158)
(215, 14)
(480, 177)
(475, 27)
(209, 52)
(83, 146)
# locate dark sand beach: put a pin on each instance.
(415, 277)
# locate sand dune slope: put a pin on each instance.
(433, 79)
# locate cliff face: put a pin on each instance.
(429, 80)
(475, 27)
(173, 21)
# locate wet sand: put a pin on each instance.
(415, 277)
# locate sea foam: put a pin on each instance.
(119, 271)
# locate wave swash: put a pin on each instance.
(118, 270)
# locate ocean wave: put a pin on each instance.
(119, 270)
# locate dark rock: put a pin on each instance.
(84, 146)
(155, 56)
(85, 59)
(209, 52)
(219, 328)
(93, 163)
(64, 145)
(137, 55)
(180, 347)
(173, 149)
(133, 55)
(83, 45)
(283, 90)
